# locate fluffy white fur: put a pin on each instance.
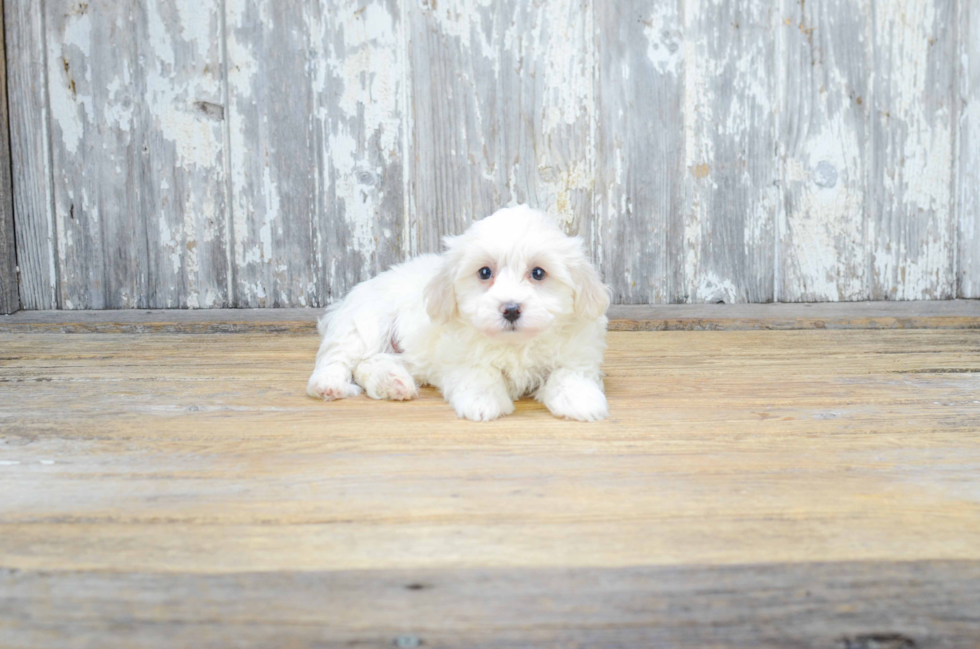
(433, 320)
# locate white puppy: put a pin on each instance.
(513, 307)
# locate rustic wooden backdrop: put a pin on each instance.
(208, 153)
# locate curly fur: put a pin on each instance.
(433, 320)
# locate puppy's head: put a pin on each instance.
(513, 275)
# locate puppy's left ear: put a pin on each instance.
(440, 292)
(440, 296)
(591, 295)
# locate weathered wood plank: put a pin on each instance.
(203, 454)
(92, 58)
(361, 88)
(641, 178)
(825, 141)
(349, 135)
(30, 154)
(865, 605)
(801, 489)
(182, 176)
(316, 128)
(913, 240)
(9, 292)
(948, 314)
(502, 112)
(139, 196)
(273, 158)
(729, 122)
(968, 164)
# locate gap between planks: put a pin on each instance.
(949, 314)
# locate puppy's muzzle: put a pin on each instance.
(511, 311)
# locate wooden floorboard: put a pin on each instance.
(944, 314)
(813, 488)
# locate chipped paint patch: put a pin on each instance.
(67, 60)
(664, 40)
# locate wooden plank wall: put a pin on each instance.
(272, 153)
(9, 292)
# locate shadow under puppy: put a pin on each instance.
(512, 307)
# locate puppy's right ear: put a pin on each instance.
(440, 292)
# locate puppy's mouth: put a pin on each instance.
(514, 331)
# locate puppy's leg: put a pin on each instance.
(350, 334)
(383, 376)
(573, 395)
(477, 394)
(331, 382)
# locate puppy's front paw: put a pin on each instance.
(578, 399)
(332, 382)
(483, 406)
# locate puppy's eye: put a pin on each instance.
(538, 273)
(486, 273)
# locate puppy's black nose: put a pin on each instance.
(511, 311)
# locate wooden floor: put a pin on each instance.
(751, 489)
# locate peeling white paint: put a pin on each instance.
(521, 131)
(69, 108)
(664, 39)
(171, 97)
(368, 66)
(359, 210)
(915, 262)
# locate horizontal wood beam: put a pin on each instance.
(846, 605)
(951, 314)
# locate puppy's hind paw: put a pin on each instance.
(384, 377)
(330, 384)
(397, 385)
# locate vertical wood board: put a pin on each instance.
(361, 86)
(316, 147)
(913, 234)
(641, 178)
(503, 106)
(273, 166)
(968, 165)
(730, 150)
(9, 294)
(824, 142)
(30, 154)
(139, 195)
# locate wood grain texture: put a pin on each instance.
(641, 178)
(95, 205)
(825, 141)
(30, 154)
(730, 131)
(362, 121)
(182, 178)
(502, 101)
(139, 191)
(9, 292)
(947, 314)
(159, 488)
(913, 230)
(273, 157)
(922, 604)
(968, 164)
(316, 127)
(253, 153)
